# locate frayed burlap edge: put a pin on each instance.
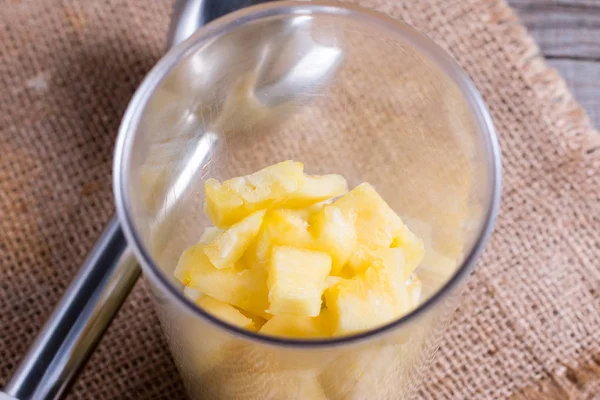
(562, 109)
(559, 105)
(584, 378)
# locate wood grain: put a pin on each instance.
(568, 33)
(583, 78)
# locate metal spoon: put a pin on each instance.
(110, 271)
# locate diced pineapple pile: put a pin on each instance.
(296, 255)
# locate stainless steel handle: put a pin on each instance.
(79, 320)
(189, 15)
(106, 277)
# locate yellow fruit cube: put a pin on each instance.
(333, 280)
(394, 262)
(364, 302)
(281, 227)
(245, 289)
(334, 233)
(414, 288)
(258, 321)
(236, 198)
(190, 264)
(436, 267)
(223, 206)
(316, 189)
(391, 257)
(308, 212)
(284, 240)
(227, 248)
(361, 258)
(272, 183)
(395, 265)
(376, 224)
(412, 247)
(244, 371)
(210, 233)
(225, 312)
(296, 281)
(192, 294)
(297, 327)
(340, 376)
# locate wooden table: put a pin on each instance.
(568, 33)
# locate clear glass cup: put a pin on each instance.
(345, 91)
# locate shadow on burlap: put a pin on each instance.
(528, 325)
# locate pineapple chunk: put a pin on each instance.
(245, 289)
(190, 264)
(333, 280)
(309, 211)
(227, 248)
(334, 233)
(249, 372)
(391, 257)
(436, 267)
(223, 206)
(191, 293)
(412, 247)
(297, 327)
(281, 244)
(210, 233)
(234, 199)
(394, 263)
(364, 302)
(414, 288)
(316, 189)
(377, 225)
(308, 388)
(339, 377)
(257, 320)
(281, 227)
(225, 312)
(280, 185)
(296, 281)
(392, 260)
(270, 184)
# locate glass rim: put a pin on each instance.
(229, 22)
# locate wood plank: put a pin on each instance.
(568, 33)
(583, 79)
(565, 3)
(563, 29)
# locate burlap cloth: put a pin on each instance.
(529, 323)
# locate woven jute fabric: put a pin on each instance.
(528, 326)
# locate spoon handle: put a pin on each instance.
(107, 276)
(79, 320)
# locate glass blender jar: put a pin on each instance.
(343, 90)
